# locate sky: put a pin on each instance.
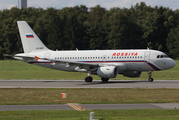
(59, 4)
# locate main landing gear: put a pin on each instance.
(90, 79)
(150, 74)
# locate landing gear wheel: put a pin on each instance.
(88, 79)
(150, 79)
(104, 79)
(150, 74)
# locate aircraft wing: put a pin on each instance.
(79, 65)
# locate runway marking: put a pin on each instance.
(76, 106)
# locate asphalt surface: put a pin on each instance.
(83, 84)
(90, 106)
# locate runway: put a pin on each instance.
(83, 84)
(82, 107)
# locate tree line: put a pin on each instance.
(137, 27)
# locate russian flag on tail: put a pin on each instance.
(29, 35)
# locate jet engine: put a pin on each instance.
(107, 72)
(132, 73)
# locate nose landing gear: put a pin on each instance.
(150, 78)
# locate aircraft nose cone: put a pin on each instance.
(173, 63)
(170, 63)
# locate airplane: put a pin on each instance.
(104, 63)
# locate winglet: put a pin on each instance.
(37, 58)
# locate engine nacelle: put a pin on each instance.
(132, 73)
(107, 72)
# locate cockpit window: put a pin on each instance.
(162, 56)
(165, 56)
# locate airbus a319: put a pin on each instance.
(104, 63)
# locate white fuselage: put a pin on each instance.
(125, 60)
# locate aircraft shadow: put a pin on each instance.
(113, 82)
(100, 82)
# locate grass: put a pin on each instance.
(20, 70)
(12, 69)
(138, 114)
(9, 96)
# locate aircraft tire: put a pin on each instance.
(88, 79)
(104, 80)
(150, 79)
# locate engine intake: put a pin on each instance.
(107, 72)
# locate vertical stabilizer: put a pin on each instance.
(29, 39)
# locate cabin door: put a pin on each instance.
(147, 57)
(47, 55)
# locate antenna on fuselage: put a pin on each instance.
(147, 48)
(76, 49)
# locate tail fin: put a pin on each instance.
(29, 39)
